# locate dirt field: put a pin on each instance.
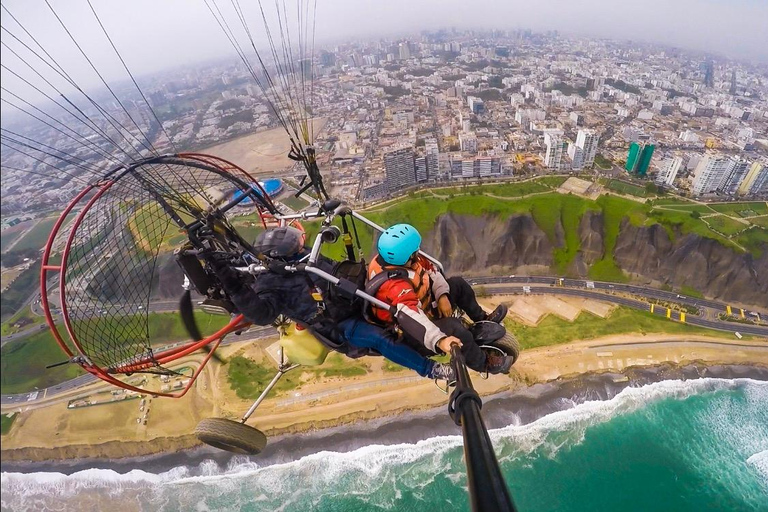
(581, 188)
(530, 310)
(260, 153)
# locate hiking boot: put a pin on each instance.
(442, 371)
(498, 314)
(498, 364)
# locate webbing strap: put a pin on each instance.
(373, 285)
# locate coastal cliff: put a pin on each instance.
(498, 244)
(700, 263)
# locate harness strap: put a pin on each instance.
(316, 294)
(373, 285)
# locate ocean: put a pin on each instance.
(674, 445)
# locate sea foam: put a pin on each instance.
(760, 462)
(372, 469)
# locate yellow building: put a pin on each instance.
(750, 178)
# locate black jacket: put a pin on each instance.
(263, 297)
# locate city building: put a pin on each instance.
(760, 186)
(689, 136)
(662, 107)
(633, 156)
(639, 158)
(373, 192)
(400, 169)
(464, 121)
(645, 159)
(756, 180)
(645, 115)
(576, 154)
(576, 118)
(404, 51)
(668, 172)
(476, 105)
(587, 141)
(554, 154)
(736, 175)
(481, 167)
(432, 154)
(710, 173)
(468, 142)
(422, 173)
(709, 73)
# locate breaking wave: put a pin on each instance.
(723, 425)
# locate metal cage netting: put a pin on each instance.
(110, 261)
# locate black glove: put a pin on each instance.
(217, 259)
(221, 264)
(278, 267)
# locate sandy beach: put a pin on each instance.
(111, 432)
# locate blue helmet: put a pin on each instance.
(398, 243)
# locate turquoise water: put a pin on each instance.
(677, 445)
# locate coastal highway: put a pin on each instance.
(497, 286)
(732, 327)
(641, 291)
(253, 333)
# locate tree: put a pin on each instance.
(695, 214)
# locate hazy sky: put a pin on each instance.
(156, 34)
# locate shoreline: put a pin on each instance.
(521, 405)
(388, 402)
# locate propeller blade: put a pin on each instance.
(188, 316)
(186, 309)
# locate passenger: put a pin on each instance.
(262, 298)
(410, 279)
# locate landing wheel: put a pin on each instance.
(507, 344)
(231, 436)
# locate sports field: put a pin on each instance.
(260, 153)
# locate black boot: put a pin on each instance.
(498, 364)
(498, 314)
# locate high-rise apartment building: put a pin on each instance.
(736, 175)
(645, 159)
(669, 170)
(554, 154)
(587, 140)
(422, 174)
(400, 169)
(639, 158)
(468, 142)
(432, 154)
(404, 51)
(709, 73)
(756, 176)
(710, 173)
(760, 186)
(633, 156)
(576, 155)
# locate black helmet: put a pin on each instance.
(281, 243)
